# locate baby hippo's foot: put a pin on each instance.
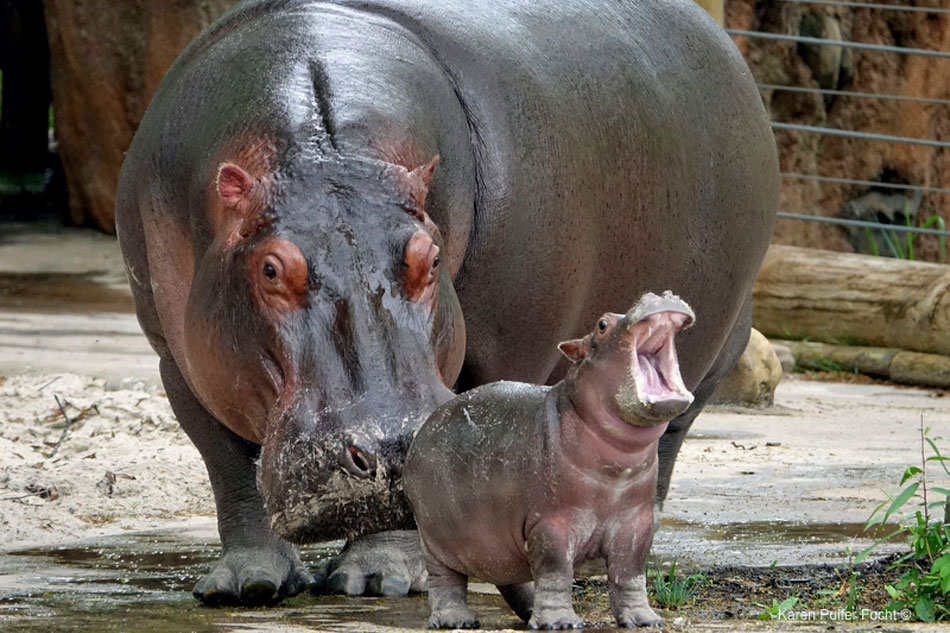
(554, 619)
(638, 616)
(453, 617)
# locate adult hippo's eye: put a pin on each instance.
(279, 271)
(436, 262)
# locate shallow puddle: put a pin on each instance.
(142, 583)
(55, 292)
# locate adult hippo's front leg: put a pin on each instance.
(672, 439)
(387, 563)
(257, 567)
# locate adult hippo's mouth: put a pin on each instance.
(337, 472)
(337, 488)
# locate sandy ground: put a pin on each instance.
(791, 484)
(122, 464)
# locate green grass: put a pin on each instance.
(671, 591)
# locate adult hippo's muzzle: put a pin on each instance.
(319, 485)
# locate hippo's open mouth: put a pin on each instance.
(653, 361)
(654, 392)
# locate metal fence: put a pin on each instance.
(867, 135)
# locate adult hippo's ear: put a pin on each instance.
(575, 349)
(241, 203)
(416, 183)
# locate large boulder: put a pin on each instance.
(753, 380)
(107, 59)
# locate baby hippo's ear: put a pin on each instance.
(575, 349)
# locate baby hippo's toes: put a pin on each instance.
(555, 619)
(641, 616)
(453, 618)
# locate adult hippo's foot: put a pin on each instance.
(258, 567)
(387, 564)
(255, 576)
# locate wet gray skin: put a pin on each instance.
(514, 483)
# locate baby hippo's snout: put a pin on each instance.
(654, 392)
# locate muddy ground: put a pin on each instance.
(106, 517)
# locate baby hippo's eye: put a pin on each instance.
(602, 325)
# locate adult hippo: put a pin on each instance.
(334, 211)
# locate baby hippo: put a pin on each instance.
(512, 482)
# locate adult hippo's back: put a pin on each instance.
(333, 211)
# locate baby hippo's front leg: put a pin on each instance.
(552, 567)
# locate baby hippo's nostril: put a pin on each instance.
(358, 462)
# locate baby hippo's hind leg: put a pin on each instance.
(448, 597)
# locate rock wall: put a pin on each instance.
(107, 59)
(794, 64)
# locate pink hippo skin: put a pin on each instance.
(513, 482)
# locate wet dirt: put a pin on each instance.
(142, 582)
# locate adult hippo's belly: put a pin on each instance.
(334, 211)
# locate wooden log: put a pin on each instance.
(910, 368)
(107, 59)
(872, 361)
(844, 298)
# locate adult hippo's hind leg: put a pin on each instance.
(672, 439)
(257, 567)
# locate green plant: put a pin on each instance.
(829, 365)
(893, 242)
(776, 611)
(848, 594)
(924, 586)
(671, 591)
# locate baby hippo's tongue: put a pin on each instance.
(654, 392)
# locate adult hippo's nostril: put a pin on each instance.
(359, 462)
